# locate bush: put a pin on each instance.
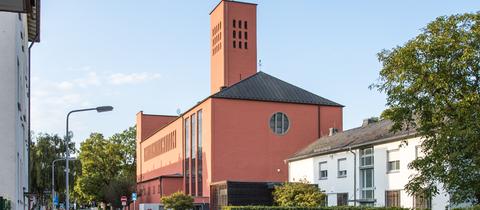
(298, 194)
(178, 201)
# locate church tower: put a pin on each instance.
(233, 54)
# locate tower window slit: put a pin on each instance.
(245, 24)
(246, 46)
(234, 23)
(234, 44)
(240, 45)
(246, 35)
(239, 24)
(234, 34)
(240, 35)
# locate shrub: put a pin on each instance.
(298, 194)
(178, 201)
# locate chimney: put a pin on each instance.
(233, 33)
(369, 121)
(332, 131)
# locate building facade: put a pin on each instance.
(243, 132)
(364, 166)
(17, 30)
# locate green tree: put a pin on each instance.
(298, 194)
(108, 167)
(432, 84)
(44, 149)
(178, 201)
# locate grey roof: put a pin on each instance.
(373, 133)
(264, 87)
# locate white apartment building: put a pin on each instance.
(17, 30)
(364, 166)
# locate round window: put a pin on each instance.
(279, 123)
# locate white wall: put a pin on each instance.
(383, 181)
(13, 81)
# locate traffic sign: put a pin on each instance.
(55, 200)
(124, 200)
(134, 196)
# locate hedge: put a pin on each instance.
(319, 208)
(477, 207)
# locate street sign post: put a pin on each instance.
(55, 200)
(124, 200)
(134, 199)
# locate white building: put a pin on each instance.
(364, 166)
(16, 31)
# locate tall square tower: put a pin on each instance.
(233, 43)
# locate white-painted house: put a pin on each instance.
(16, 31)
(364, 166)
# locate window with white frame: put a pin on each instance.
(342, 167)
(323, 170)
(366, 174)
(393, 160)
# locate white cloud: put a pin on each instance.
(52, 99)
(132, 78)
(65, 86)
(92, 79)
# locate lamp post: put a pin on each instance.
(67, 152)
(53, 176)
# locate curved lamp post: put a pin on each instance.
(67, 152)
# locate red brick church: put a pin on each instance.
(243, 132)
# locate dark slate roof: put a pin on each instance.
(264, 87)
(371, 134)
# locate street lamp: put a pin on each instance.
(53, 176)
(67, 140)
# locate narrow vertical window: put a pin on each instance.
(234, 44)
(194, 153)
(234, 23)
(199, 154)
(246, 35)
(366, 174)
(246, 25)
(240, 35)
(239, 24)
(187, 156)
(246, 46)
(234, 34)
(240, 45)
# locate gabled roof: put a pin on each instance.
(371, 134)
(264, 87)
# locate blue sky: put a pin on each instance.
(153, 55)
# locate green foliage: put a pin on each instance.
(108, 167)
(477, 207)
(307, 208)
(298, 194)
(433, 85)
(178, 201)
(43, 151)
(5, 204)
